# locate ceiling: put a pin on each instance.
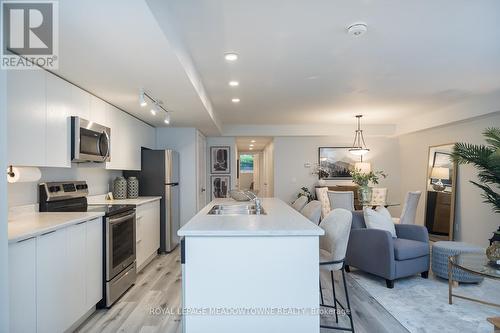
(113, 49)
(420, 61)
(298, 65)
(259, 143)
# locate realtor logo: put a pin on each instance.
(29, 34)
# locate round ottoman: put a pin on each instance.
(444, 249)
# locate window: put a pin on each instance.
(246, 163)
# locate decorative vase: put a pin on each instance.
(120, 188)
(132, 187)
(493, 252)
(364, 195)
(496, 236)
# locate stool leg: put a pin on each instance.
(321, 291)
(347, 301)
(334, 298)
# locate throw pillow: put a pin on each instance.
(379, 219)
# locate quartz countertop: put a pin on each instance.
(30, 224)
(280, 220)
(101, 200)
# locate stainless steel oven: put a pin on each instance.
(120, 246)
(89, 141)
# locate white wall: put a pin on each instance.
(222, 141)
(475, 220)
(182, 140)
(291, 153)
(100, 181)
(4, 273)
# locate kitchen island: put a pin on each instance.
(250, 273)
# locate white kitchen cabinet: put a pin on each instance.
(117, 157)
(26, 116)
(75, 303)
(80, 103)
(51, 282)
(148, 232)
(99, 111)
(22, 286)
(58, 128)
(93, 263)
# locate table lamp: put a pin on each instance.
(440, 174)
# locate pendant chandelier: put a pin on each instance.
(359, 146)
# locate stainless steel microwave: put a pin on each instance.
(90, 142)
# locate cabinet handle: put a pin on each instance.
(138, 241)
(24, 240)
(138, 218)
(50, 232)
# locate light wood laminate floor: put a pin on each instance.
(158, 288)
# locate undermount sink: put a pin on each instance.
(246, 209)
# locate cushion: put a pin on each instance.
(322, 196)
(409, 249)
(379, 219)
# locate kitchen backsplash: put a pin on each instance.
(99, 180)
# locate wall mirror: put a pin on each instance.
(440, 195)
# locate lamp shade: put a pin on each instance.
(440, 173)
(363, 167)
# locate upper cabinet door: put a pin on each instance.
(80, 103)
(26, 117)
(58, 136)
(99, 111)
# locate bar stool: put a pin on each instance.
(333, 247)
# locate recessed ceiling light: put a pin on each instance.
(234, 83)
(235, 100)
(251, 145)
(231, 56)
(250, 148)
(253, 141)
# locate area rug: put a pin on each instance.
(421, 305)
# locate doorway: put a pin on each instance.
(255, 165)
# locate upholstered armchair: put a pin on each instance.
(376, 252)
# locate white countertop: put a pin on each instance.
(30, 224)
(281, 220)
(101, 200)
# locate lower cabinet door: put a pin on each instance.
(51, 282)
(22, 286)
(75, 273)
(94, 262)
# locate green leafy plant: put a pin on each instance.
(486, 158)
(363, 179)
(304, 191)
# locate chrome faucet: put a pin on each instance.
(253, 197)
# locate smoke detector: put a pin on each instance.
(357, 29)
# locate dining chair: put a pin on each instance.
(409, 209)
(341, 199)
(322, 196)
(312, 211)
(299, 203)
(379, 196)
(332, 252)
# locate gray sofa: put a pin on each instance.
(376, 252)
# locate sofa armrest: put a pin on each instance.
(413, 232)
(372, 250)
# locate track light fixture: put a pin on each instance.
(142, 99)
(156, 106)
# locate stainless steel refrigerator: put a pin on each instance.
(159, 176)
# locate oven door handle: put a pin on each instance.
(121, 219)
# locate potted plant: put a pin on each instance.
(486, 158)
(304, 191)
(363, 179)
